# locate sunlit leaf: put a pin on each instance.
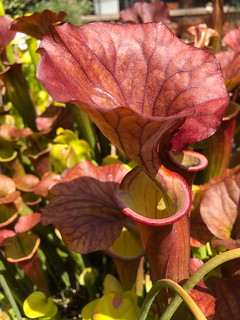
(124, 81)
(37, 305)
(147, 97)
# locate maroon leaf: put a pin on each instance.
(227, 293)
(219, 206)
(83, 209)
(143, 12)
(36, 24)
(6, 35)
(232, 39)
(131, 89)
(124, 81)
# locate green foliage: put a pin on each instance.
(74, 8)
(18, 7)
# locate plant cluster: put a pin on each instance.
(120, 174)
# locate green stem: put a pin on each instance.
(18, 290)
(10, 297)
(197, 276)
(163, 283)
(86, 128)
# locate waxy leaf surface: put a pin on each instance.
(82, 207)
(128, 75)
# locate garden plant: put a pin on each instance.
(120, 170)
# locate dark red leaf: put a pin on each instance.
(36, 24)
(227, 293)
(83, 209)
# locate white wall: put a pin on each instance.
(106, 6)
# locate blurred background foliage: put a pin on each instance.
(74, 8)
